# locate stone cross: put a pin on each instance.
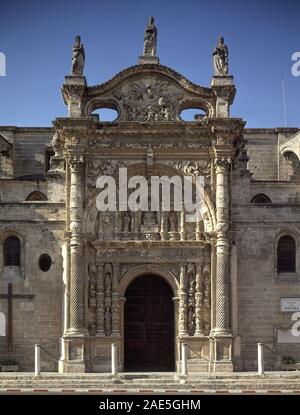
(9, 297)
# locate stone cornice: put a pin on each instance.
(149, 245)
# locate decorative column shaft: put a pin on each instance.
(182, 223)
(198, 301)
(162, 226)
(137, 224)
(115, 300)
(100, 301)
(182, 302)
(76, 208)
(108, 299)
(222, 244)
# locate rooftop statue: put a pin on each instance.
(150, 38)
(220, 56)
(78, 58)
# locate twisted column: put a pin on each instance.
(76, 210)
(222, 165)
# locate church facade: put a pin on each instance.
(76, 280)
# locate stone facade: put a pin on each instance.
(222, 269)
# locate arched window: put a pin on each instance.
(286, 254)
(12, 251)
(36, 196)
(261, 199)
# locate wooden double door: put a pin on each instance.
(149, 329)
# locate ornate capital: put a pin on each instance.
(76, 163)
(222, 164)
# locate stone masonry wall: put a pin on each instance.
(259, 287)
(40, 227)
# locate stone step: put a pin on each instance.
(154, 381)
(151, 377)
(259, 384)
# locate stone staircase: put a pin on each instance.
(272, 382)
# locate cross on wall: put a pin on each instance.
(10, 297)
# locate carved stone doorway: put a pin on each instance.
(149, 327)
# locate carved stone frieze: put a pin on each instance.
(101, 167)
(192, 168)
(152, 100)
(172, 141)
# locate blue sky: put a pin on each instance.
(37, 38)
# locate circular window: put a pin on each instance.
(45, 262)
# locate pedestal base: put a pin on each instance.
(73, 355)
(221, 352)
(144, 60)
(219, 80)
(197, 353)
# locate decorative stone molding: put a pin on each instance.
(191, 168)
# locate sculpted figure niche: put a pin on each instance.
(126, 222)
(221, 58)
(172, 222)
(92, 298)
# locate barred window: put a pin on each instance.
(12, 249)
(286, 254)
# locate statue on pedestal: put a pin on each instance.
(150, 38)
(78, 58)
(220, 56)
(107, 321)
(172, 222)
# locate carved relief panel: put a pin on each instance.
(195, 304)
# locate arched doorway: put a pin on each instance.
(149, 336)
